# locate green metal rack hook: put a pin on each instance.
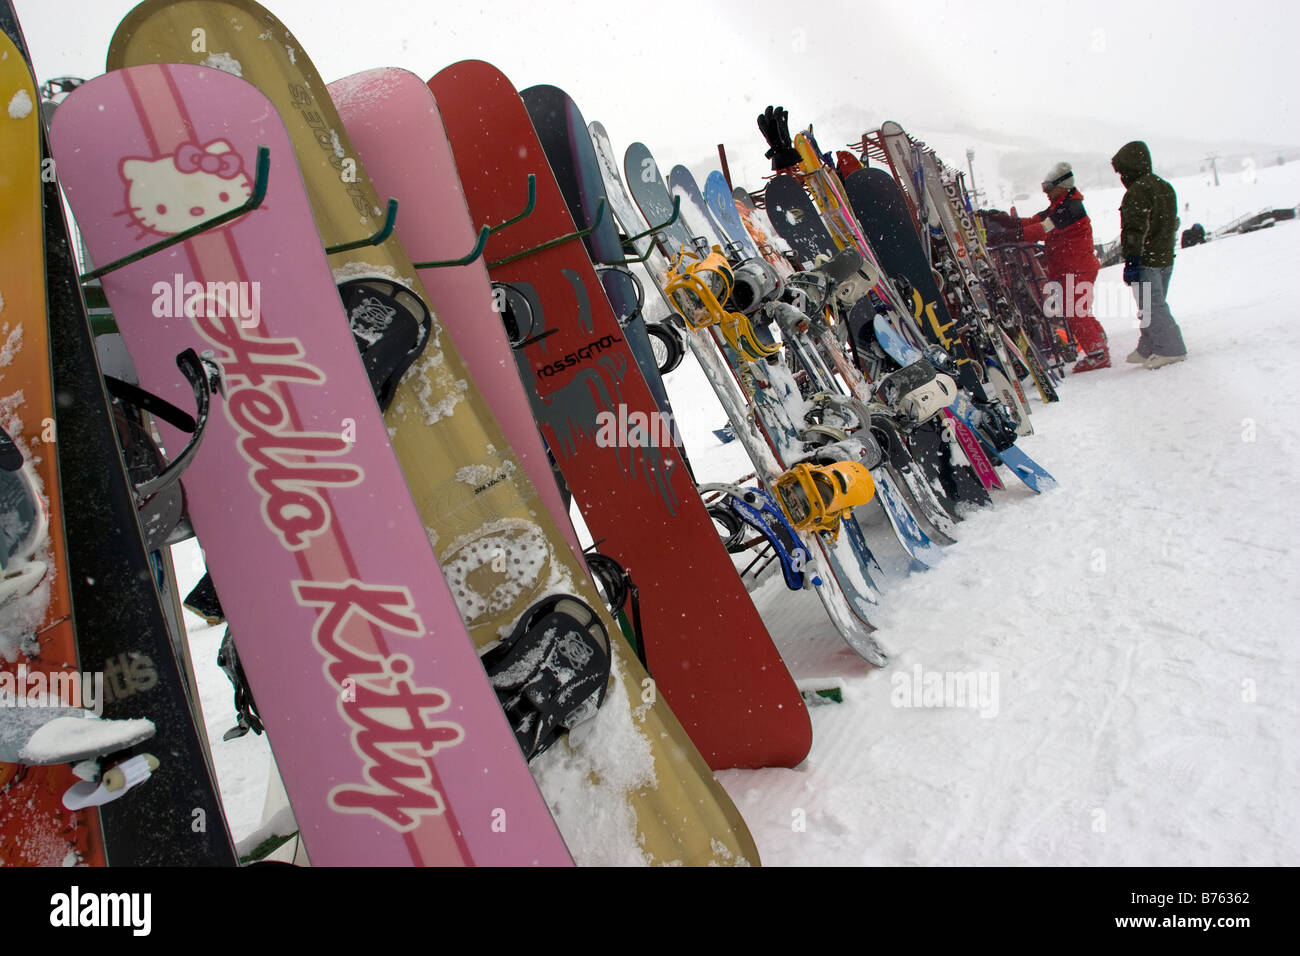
(251, 203)
(580, 234)
(481, 242)
(677, 211)
(386, 230)
(631, 240)
(528, 207)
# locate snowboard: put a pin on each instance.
(760, 229)
(491, 533)
(121, 616)
(37, 639)
(339, 629)
(563, 134)
(723, 206)
(706, 646)
(796, 219)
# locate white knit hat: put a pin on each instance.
(1059, 175)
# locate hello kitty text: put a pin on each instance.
(287, 466)
(392, 718)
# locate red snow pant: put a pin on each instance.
(1087, 331)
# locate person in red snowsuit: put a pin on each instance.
(1071, 261)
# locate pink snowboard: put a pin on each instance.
(390, 740)
(394, 124)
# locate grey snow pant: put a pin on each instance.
(1160, 333)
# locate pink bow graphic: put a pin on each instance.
(189, 158)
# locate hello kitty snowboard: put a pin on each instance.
(393, 747)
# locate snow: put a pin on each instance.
(20, 105)
(224, 62)
(1101, 675)
(1137, 622)
(55, 738)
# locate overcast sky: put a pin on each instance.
(687, 79)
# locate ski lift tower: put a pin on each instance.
(970, 167)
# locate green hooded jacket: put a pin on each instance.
(1149, 213)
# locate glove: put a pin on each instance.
(1131, 266)
(774, 124)
(1003, 219)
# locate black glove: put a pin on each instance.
(1131, 266)
(1003, 219)
(774, 124)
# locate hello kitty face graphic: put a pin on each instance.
(170, 194)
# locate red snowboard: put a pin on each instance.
(706, 646)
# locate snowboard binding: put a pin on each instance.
(701, 288)
(391, 325)
(619, 590)
(552, 672)
(246, 716)
(917, 392)
(816, 497)
(611, 278)
(755, 284)
(666, 342)
(159, 495)
(997, 424)
(760, 511)
(26, 528)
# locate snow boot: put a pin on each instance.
(1092, 362)
(1159, 361)
(1136, 358)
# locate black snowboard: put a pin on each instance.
(881, 208)
(572, 157)
(175, 817)
(795, 218)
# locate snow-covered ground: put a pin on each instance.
(1128, 641)
(1130, 638)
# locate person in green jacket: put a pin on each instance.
(1148, 227)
